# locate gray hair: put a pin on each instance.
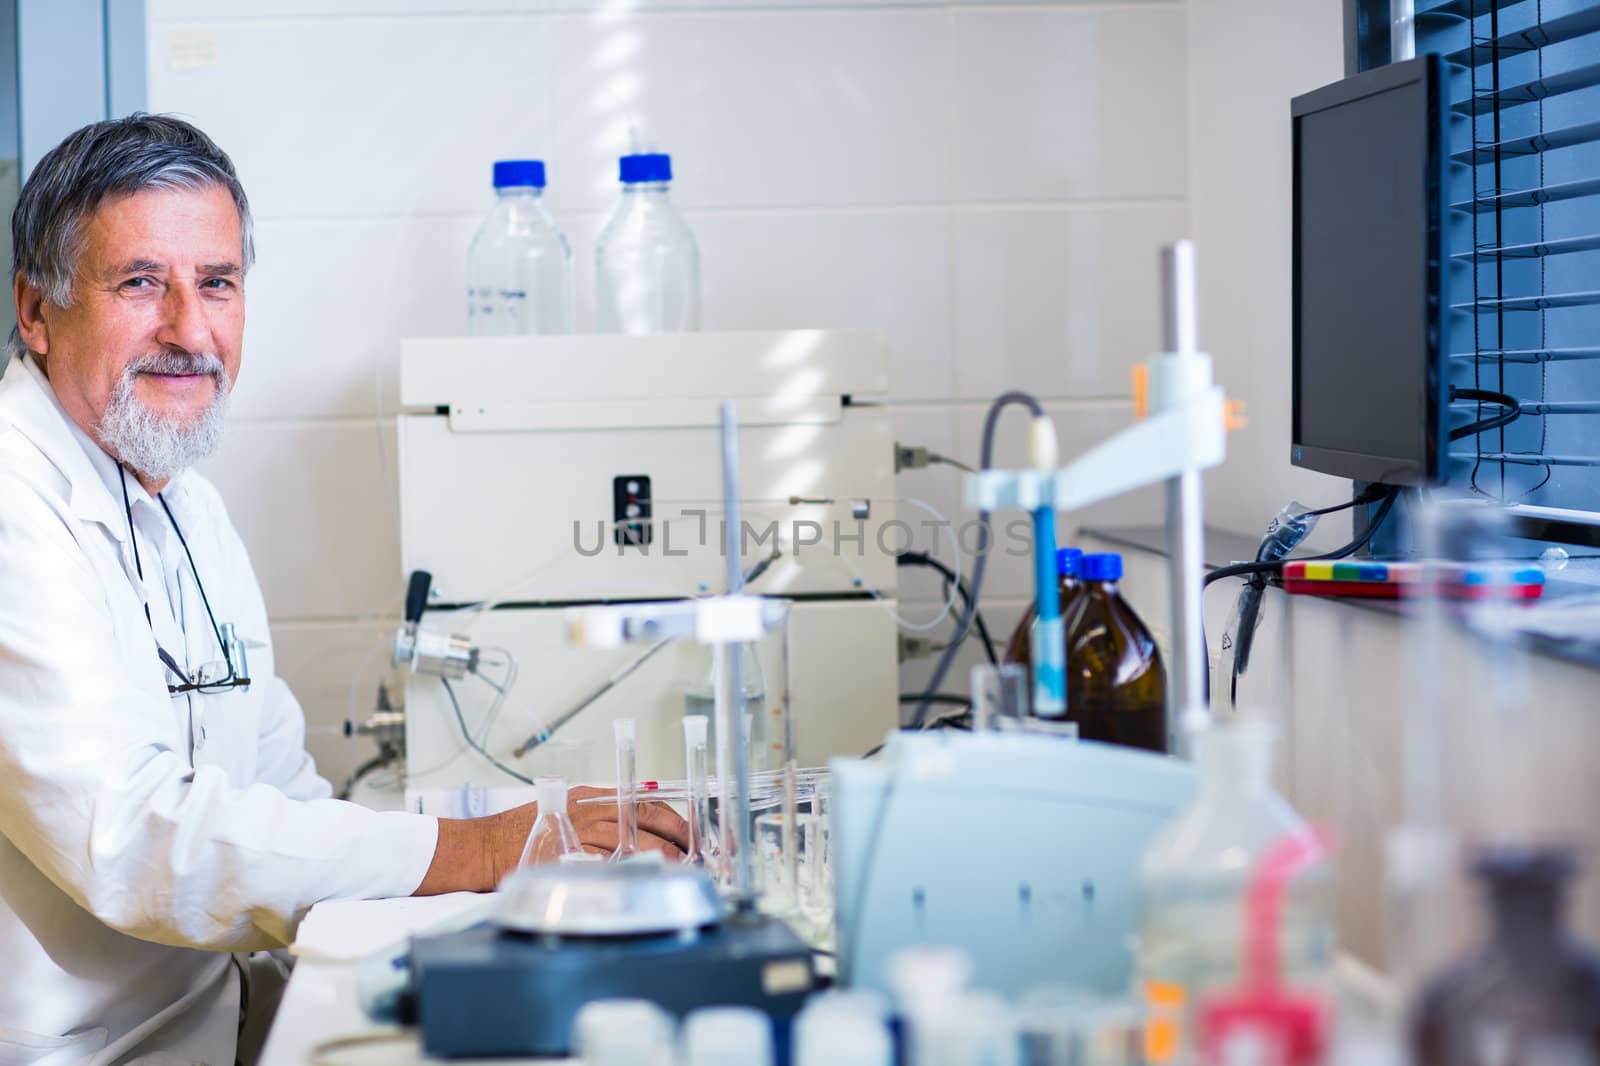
(101, 161)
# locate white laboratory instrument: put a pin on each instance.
(540, 473)
(1062, 824)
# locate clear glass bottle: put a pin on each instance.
(1531, 993)
(519, 267)
(1192, 891)
(700, 699)
(646, 262)
(553, 837)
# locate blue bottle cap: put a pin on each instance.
(510, 173)
(646, 166)
(1102, 566)
(1069, 561)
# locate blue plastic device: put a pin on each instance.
(1048, 640)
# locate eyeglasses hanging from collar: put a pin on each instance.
(229, 672)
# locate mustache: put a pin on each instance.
(177, 363)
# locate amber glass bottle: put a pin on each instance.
(1021, 645)
(1020, 648)
(1116, 684)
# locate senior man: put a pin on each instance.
(158, 820)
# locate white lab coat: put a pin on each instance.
(144, 837)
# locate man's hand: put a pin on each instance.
(475, 854)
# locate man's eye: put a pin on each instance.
(217, 284)
(138, 283)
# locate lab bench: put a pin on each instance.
(322, 1006)
(1341, 675)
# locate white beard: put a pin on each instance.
(157, 447)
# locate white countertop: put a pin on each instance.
(321, 1007)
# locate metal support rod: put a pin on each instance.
(1402, 30)
(732, 722)
(1185, 521)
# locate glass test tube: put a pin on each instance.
(698, 801)
(999, 696)
(627, 790)
(791, 775)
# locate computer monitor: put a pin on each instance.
(1368, 276)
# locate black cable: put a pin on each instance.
(951, 698)
(383, 758)
(980, 565)
(1276, 567)
(473, 744)
(924, 559)
(1373, 494)
(1512, 412)
(870, 854)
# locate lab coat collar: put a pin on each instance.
(28, 402)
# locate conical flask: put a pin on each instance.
(553, 835)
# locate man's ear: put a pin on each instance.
(30, 315)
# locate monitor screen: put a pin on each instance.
(1366, 276)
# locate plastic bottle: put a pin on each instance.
(842, 1029)
(1531, 994)
(701, 699)
(727, 1036)
(623, 1032)
(1193, 885)
(1116, 684)
(519, 268)
(646, 263)
(553, 836)
(1020, 648)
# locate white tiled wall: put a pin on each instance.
(987, 182)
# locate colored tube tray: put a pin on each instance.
(1391, 581)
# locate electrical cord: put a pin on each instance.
(322, 1054)
(1275, 567)
(924, 559)
(952, 698)
(935, 457)
(1512, 412)
(1372, 494)
(1280, 540)
(870, 854)
(377, 762)
(946, 722)
(980, 564)
(455, 705)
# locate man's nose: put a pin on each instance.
(184, 323)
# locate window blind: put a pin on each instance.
(1522, 238)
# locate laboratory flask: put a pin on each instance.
(1530, 995)
(700, 699)
(1193, 885)
(519, 267)
(553, 836)
(1019, 649)
(646, 263)
(1116, 683)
